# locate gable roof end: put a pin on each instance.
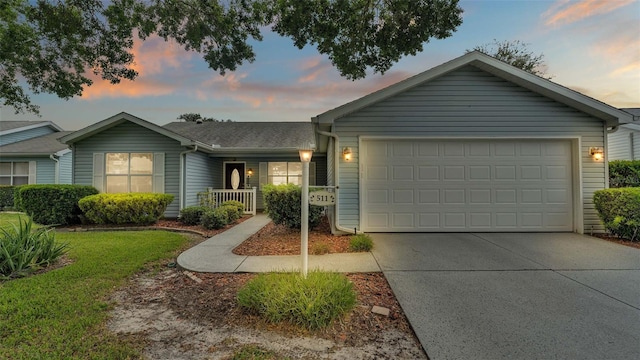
(9, 127)
(119, 119)
(559, 93)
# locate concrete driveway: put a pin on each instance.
(516, 296)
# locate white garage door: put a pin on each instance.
(466, 185)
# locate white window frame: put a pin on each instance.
(30, 175)
(265, 178)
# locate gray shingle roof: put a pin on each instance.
(247, 135)
(41, 145)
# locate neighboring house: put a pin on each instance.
(127, 154)
(624, 141)
(30, 153)
(473, 144)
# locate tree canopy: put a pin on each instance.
(516, 53)
(195, 117)
(53, 45)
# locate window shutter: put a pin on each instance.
(312, 174)
(263, 174)
(98, 171)
(158, 173)
(32, 172)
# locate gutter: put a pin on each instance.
(336, 173)
(183, 162)
(611, 130)
(56, 171)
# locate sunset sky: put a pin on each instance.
(591, 46)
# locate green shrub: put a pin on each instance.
(360, 242)
(52, 204)
(233, 213)
(619, 210)
(312, 302)
(319, 248)
(206, 198)
(283, 205)
(23, 249)
(192, 215)
(234, 203)
(7, 196)
(215, 218)
(624, 173)
(129, 208)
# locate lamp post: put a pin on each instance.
(305, 158)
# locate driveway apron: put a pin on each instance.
(516, 296)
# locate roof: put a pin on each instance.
(559, 93)
(39, 146)
(8, 127)
(119, 119)
(248, 136)
(635, 125)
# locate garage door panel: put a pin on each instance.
(468, 185)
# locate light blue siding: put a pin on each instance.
(200, 170)
(469, 103)
(64, 174)
(129, 137)
(24, 135)
(624, 144)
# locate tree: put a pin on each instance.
(53, 45)
(517, 54)
(194, 117)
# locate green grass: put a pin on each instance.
(360, 243)
(312, 302)
(253, 352)
(7, 219)
(61, 314)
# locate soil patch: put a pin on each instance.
(617, 240)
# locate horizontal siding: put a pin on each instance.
(468, 103)
(129, 137)
(200, 170)
(619, 144)
(64, 174)
(45, 167)
(24, 135)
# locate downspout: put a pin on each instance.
(336, 174)
(183, 163)
(56, 171)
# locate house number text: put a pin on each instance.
(322, 198)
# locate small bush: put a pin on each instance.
(237, 204)
(312, 302)
(360, 242)
(619, 210)
(283, 205)
(52, 204)
(191, 215)
(215, 218)
(7, 196)
(319, 248)
(624, 173)
(23, 249)
(233, 214)
(129, 208)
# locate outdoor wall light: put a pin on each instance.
(305, 155)
(596, 153)
(250, 173)
(347, 153)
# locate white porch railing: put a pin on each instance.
(245, 196)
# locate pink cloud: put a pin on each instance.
(566, 12)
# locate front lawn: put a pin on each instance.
(61, 314)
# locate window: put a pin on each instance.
(14, 173)
(129, 172)
(284, 173)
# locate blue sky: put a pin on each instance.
(591, 46)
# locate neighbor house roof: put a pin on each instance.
(8, 127)
(248, 136)
(559, 93)
(38, 146)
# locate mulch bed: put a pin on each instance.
(617, 240)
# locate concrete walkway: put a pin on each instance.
(214, 255)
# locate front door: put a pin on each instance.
(234, 176)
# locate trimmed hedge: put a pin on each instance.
(236, 204)
(283, 205)
(192, 215)
(215, 218)
(52, 204)
(619, 210)
(128, 208)
(7, 196)
(624, 173)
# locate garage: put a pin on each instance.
(457, 185)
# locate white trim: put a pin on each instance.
(224, 172)
(31, 127)
(576, 163)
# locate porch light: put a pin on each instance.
(346, 153)
(596, 153)
(305, 158)
(250, 173)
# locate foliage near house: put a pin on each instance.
(215, 218)
(7, 196)
(283, 205)
(52, 204)
(192, 215)
(126, 208)
(312, 302)
(624, 173)
(360, 243)
(619, 210)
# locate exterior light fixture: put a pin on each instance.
(347, 153)
(250, 173)
(596, 153)
(305, 158)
